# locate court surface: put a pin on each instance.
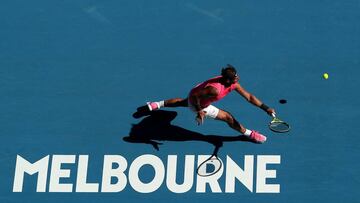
(73, 73)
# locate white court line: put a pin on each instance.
(205, 12)
(94, 13)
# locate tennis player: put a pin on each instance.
(202, 96)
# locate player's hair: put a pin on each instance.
(229, 72)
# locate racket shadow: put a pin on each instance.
(156, 127)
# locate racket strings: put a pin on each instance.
(279, 126)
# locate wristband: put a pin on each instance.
(264, 107)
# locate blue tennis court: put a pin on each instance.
(72, 73)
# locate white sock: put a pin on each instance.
(247, 132)
(161, 104)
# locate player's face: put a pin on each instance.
(229, 82)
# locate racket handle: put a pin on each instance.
(273, 115)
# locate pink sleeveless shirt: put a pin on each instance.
(213, 82)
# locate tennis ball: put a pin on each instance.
(326, 76)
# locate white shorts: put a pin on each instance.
(211, 111)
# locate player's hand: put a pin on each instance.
(271, 111)
(200, 117)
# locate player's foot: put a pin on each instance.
(153, 105)
(257, 137)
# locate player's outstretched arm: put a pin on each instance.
(253, 100)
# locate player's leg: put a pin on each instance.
(151, 106)
(230, 120)
(175, 102)
(234, 124)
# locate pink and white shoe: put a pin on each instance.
(153, 105)
(257, 137)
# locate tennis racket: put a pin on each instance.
(213, 161)
(279, 126)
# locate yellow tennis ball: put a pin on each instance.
(326, 76)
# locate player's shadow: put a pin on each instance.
(157, 127)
